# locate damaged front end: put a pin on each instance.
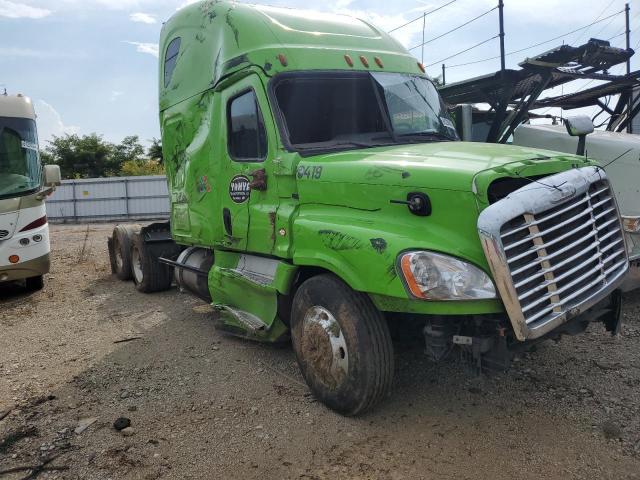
(556, 250)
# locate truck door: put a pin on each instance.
(247, 196)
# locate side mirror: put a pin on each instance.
(52, 176)
(579, 126)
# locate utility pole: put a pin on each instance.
(444, 78)
(424, 25)
(628, 38)
(501, 16)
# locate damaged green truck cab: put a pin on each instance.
(318, 188)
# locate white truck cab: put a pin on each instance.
(619, 154)
(24, 185)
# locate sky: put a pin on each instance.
(91, 65)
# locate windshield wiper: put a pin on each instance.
(425, 134)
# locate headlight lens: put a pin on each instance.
(434, 276)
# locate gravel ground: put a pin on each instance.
(89, 349)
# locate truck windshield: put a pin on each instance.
(19, 158)
(341, 110)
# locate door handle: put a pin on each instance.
(259, 181)
(226, 219)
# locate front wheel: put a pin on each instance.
(342, 345)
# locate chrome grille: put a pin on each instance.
(4, 234)
(556, 255)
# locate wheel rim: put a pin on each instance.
(136, 263)
(325, 347)
(118, 254)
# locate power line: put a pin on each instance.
(422, 16)
(598, 17)
(463, 51)
(454, 29)
(537, 44)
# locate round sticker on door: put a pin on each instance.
(239, 189)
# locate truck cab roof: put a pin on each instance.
(17, 106)
(210, 40)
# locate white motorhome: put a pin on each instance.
(24, 185)
(619, 154)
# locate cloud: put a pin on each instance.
(50, 123)
(142, 47)
(186, 3)
(142, 18)
(20, 10)
(115, 94)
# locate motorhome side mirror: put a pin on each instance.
(579, 125)
(52, 176)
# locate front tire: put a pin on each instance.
(342, 345)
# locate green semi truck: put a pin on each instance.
(319, 192)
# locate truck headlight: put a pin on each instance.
(434, 276)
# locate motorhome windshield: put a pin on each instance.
(19, 159)
(341, 110)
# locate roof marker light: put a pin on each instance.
(14, 259)
(421, 67)
(283, 59)
(364, 61)
(378, 62)
(349, 61)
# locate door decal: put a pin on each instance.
(239, 189)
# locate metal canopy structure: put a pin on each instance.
(512, 93)
(620, 115)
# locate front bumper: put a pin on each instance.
(30, 268)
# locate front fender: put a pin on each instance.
(362, 247)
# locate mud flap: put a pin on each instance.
(613, 319)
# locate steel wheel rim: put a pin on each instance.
(320, 323)
(118, 253)
(136, 263)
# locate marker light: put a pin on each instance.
(283, 60)
(421, 67)
(349, 60)
(35, 224)
(364, 61)
(14, 259)
(378, 62)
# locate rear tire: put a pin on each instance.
(35, 283)
(149, 275)
(122, 243)
(342, 345)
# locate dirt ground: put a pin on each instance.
(89, 349)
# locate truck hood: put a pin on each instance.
(438, 165)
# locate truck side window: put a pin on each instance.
(170, 59)
(246, 132)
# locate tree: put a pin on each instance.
(82, 156)
(155, 150)
(145, 166)
(128, 150)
